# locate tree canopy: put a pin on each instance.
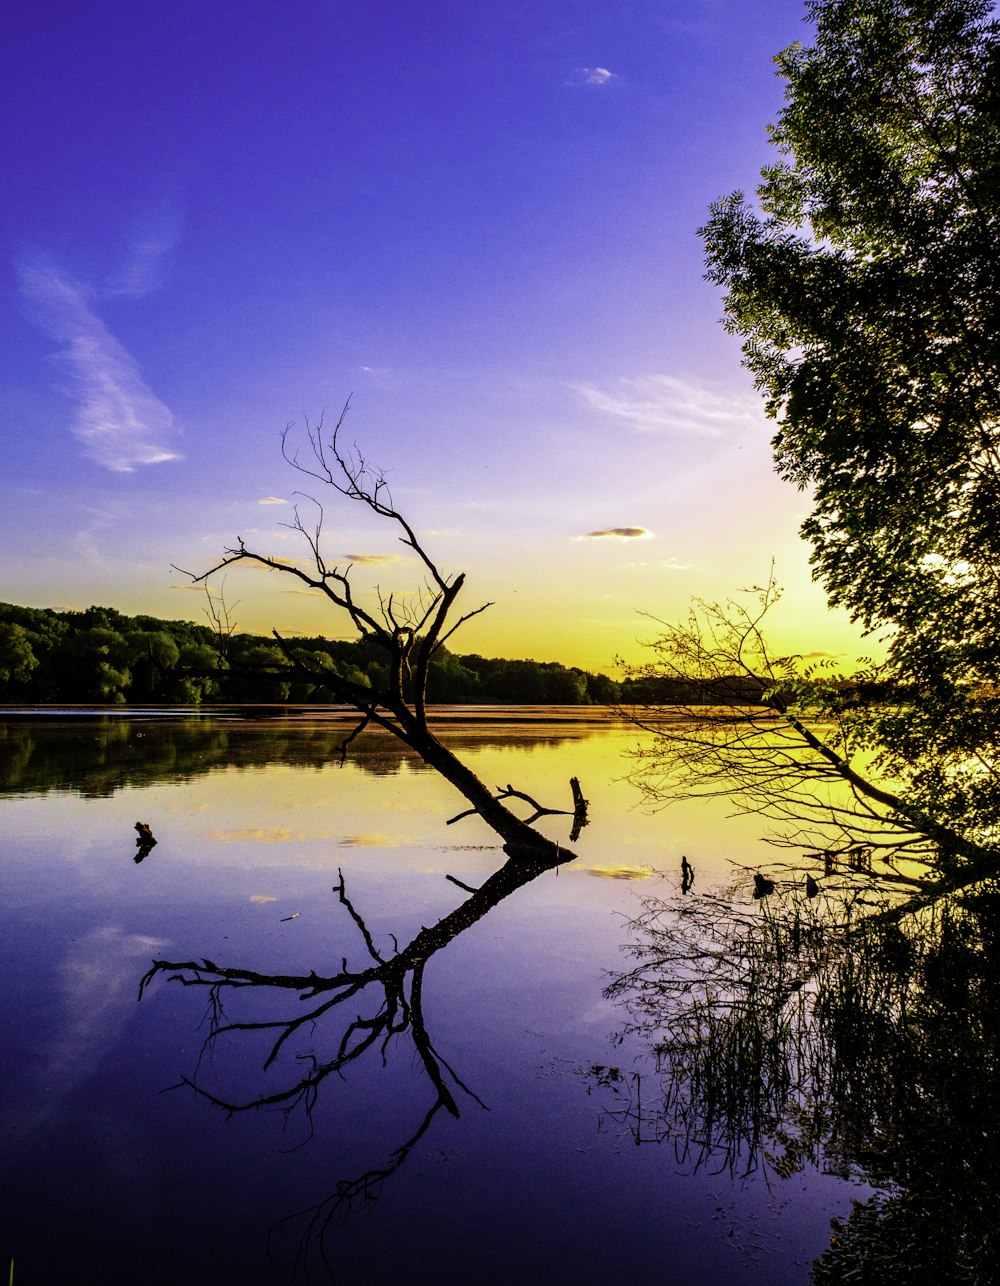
(866, 287)
(834, 1021)
(104, 656)
(865, 283)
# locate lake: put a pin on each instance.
(484, 1122)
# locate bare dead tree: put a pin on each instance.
(409, 630)
(337, 1021)
(220, 617)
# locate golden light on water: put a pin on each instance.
(616, 872)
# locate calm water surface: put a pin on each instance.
(110, 1175)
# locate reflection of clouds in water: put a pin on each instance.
(287, 835)
(96, 983)
(616, 872)
(268, 835)
(468, 848)
(373, 840)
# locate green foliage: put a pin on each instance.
(101, 655)
(866, 287)
(17, 659)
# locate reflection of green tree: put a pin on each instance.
(102, 755)
(867, 1043)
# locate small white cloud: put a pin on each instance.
(591, 76)
(121, 423)
(663, 403)
(271, 500)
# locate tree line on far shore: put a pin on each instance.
(104, 656)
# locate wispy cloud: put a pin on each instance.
(271, 500)
(147, 255)
(596, 76)
(663, 403)
(121, 423)
(616, 533)
(670, 564)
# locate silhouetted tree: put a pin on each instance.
(405, 632)
(866, 287)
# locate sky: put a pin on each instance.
(476, 222)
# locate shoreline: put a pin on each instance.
(300, 713)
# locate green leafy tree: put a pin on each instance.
(826, 1020)
(17, 659)
(198, 675)
(451, 680)
(319, 662)
(258, 673)
(867, 290)
(93, 665)
(865, 282)
(154, 654)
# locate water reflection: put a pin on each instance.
(332, 1022)
(838, 1032)
(97, 756)
(247, 853)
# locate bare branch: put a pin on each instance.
(409, 630)
(735, 722)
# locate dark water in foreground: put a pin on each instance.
(491, 1137)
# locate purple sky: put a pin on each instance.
(478, 220)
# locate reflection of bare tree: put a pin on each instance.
(373, 1004)
(839, 1030)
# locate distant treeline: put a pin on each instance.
(101, 655)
